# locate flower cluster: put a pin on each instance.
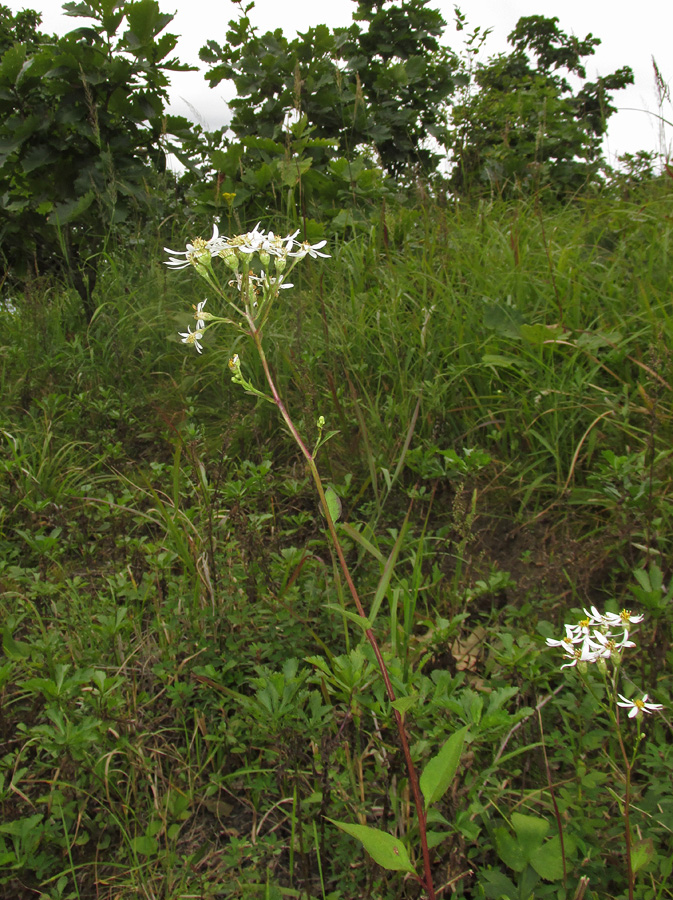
(597, 636)
(200, 252)
(233, 252)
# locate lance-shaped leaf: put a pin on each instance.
(386, 850)
(439, 771)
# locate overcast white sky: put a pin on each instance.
(630, 36)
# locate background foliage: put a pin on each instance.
(184, 708)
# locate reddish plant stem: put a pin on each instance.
(411, 769)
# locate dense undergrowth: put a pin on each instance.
(183, 704)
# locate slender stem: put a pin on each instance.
(627, 807)
(411, 769)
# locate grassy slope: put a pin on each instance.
(163, 559)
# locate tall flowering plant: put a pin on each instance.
(257, 266)
(599, 640)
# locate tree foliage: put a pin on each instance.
(523, 125)
(382, 83)
(81, 127)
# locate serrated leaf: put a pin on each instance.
(440, 771)
(385, 849)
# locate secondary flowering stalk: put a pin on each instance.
(256, 292)
(600, 639)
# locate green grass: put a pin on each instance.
(184, 706)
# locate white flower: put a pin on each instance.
(311, 250)
(597, 619)
(197, 252)
(579, 655)
(636, 707)
(192, 337)
(199, 315)
(624, 618)
(573, 636)
(268, 281)
(605, 645)
(251, 242)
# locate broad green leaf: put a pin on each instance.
(144, 844)
(530, 830)
(439, 771)
(537, 334)
(386, 850)
(509, 850)
(547, 860)
(642, 853)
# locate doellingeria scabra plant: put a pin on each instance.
(597, 642)
(247, 274)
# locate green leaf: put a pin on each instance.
(642, 853)
(547, 860)
(360, 539)
(509, 851)
(365, 624)
(404, 704)
(144, 844)
(333, 504)
(388, 568)
(439, 771)
(530, 830)
(71, 209)
(539, 333)
(386, 850)
(14, 649)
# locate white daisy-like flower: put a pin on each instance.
(583, 654)
(605, 645)
(192, 337)
(623, 619)
(251, 242)
(572, 637)
(596, 618)
(199, 315)
(306, 249)
(199, 251)
(636, 707)
(268, 281)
